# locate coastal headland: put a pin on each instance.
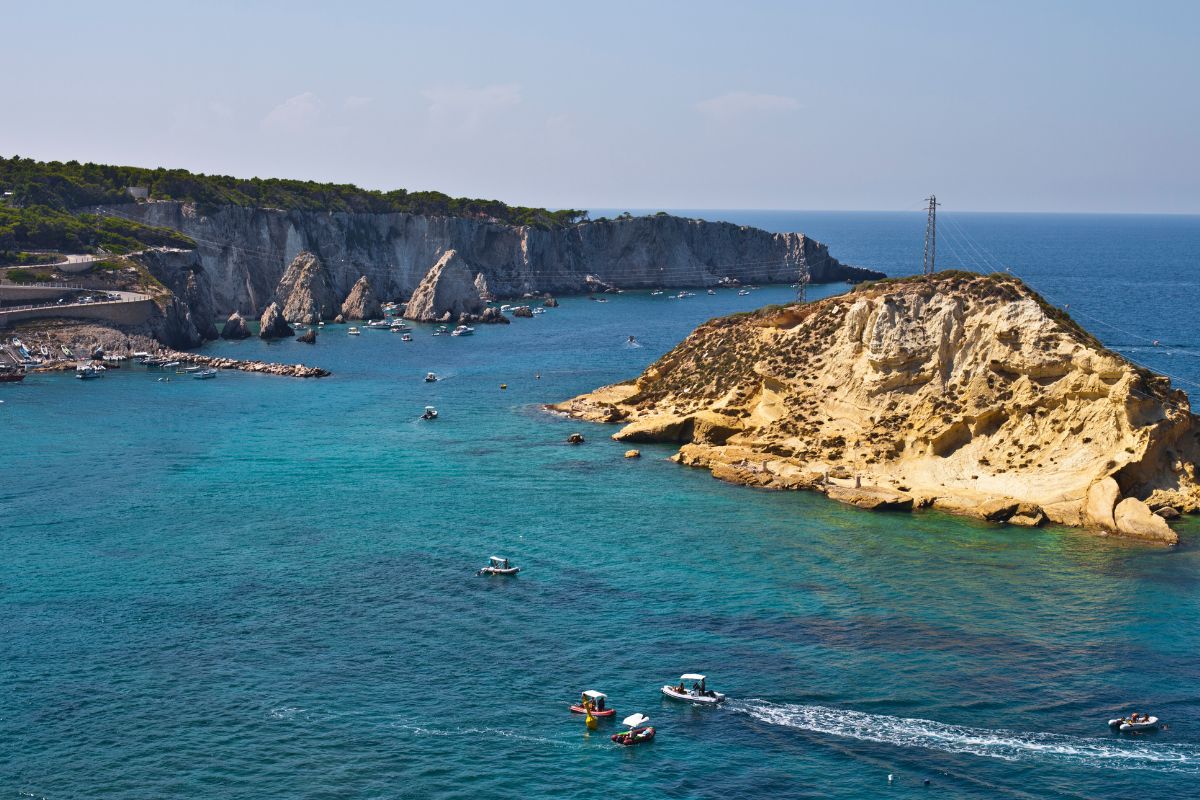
(207, 247)
(964, 392)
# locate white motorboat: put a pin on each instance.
(406, 337)
(712, 291)
(431, 377)
(656, 292)
(743, 292)
(699, 693)
(378, 325)
(430, 413)
(354, 331)
(463, 330)
(399, 325)
(205, 374)
(498, 565)
(87, 372)
(1144, 722)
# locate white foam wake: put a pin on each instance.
(1112, 753)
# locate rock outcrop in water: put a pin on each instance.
(361, 303)
(273, 325)
(305, 291)
(235, 327)
(965, 392)
(446, 292)
(245, 252)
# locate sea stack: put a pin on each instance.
(446, 292)
(235, 327)
(305, 292)
(361, 303)
(272, 325)
(964, 392)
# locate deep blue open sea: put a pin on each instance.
(265, 587)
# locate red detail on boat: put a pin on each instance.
(608, 712)
(635, 736)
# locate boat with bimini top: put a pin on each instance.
(699, 693)
(593, 701)
(498, 565)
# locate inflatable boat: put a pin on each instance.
(597, 701)
(498, 565)
(1126, 726)
(639, 732)
(697, 694)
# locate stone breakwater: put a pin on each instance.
(966, 393)
(264, 367)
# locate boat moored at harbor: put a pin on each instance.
(87, 372)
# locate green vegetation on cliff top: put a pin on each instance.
(41, 227)
(72, 185)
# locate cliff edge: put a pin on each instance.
(964, 392)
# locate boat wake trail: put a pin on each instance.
(503, 733)
(1117, 754)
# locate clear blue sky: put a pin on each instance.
(1059, 106)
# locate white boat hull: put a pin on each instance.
(1126, 727)
(708, 698)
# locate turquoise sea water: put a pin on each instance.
(264, 587)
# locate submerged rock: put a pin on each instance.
(272, 325)
(965, 392)
(235, 327)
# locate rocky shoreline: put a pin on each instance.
(962, 392)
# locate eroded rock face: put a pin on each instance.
(235, 327)
(273, 325)
(968, 393)
(523, 311)
(305, 292)
(245, 251)
(447, 291)
(1134, 518)
(361, 303)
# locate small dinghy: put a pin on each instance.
(699, 693)
(498, 565)
(639, 732)
(431, 377)
(1134, 722)
(430, 413)
(596, 700)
